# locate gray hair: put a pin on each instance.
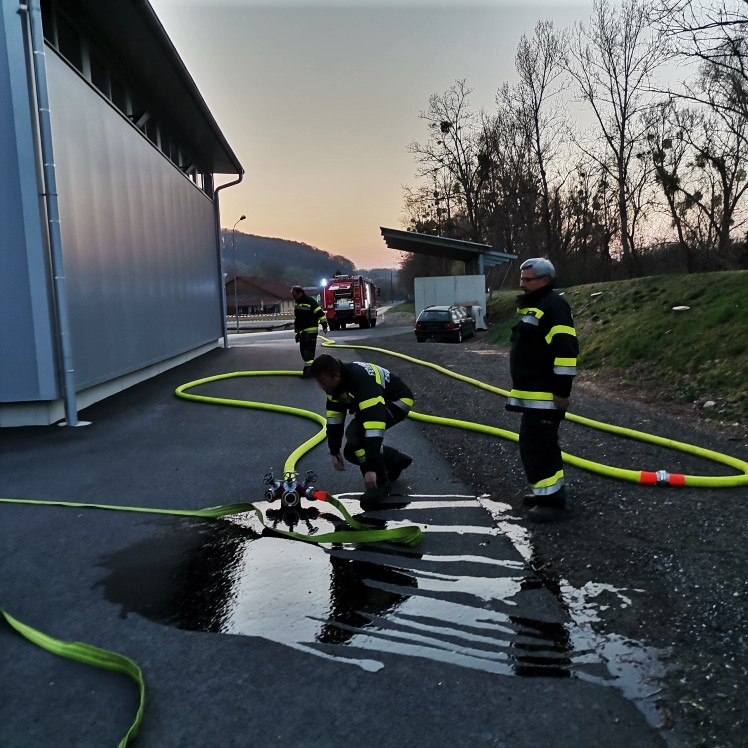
(543, 267)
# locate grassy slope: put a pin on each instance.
(630, 331)
(403, 306)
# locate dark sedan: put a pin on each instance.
(444, 322)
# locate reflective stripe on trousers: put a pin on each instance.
(529, 399)
(549, 486)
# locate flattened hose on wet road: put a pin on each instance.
(360, 533)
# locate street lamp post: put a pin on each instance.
(236, 274)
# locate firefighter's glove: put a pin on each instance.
(324, 328)
(298, 337)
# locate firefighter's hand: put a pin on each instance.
(324, 328)
(338, 463)
(370, 479)
(562, 403)
(298, 337)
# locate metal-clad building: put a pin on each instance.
(128, 282)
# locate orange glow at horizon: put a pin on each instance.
(320, 102)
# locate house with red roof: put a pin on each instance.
(258, 296)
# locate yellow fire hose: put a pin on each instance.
(359, 533)
(660, 477)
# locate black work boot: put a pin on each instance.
(372, 495)
(530, 499)
(381, 491)
(548, 508)
(396, 462)
(533, 499)
(544, 514)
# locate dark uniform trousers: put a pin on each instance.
(539, 449)
(354, 443)
(307, 346)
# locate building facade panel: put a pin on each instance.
(138, 239)
(27, 352)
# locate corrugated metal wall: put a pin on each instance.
(27, 360)
(138, 239)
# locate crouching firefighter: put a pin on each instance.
(308, 315)
(378, 399)
(543, 363)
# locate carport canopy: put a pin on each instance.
(476, 256)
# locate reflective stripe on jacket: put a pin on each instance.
(366, 390)
(308, 315)
(543, 358)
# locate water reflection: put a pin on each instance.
(341, 602)
(355, 596)
(182, 578)
(224, 577)
(236, 578)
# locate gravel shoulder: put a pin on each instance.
(680, 552)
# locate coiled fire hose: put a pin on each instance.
(359, 533)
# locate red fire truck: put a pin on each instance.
(349, 299)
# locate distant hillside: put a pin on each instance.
(628, 330)
(280, 259)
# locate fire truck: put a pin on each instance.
(349, 299)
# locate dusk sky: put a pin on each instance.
(320, 100)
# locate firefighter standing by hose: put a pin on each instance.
(308, 315)
(542, 362)
(379, 400)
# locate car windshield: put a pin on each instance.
(434, 316)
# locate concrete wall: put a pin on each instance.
(453, 289)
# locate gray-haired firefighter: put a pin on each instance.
(379, 400)
(543, 363)
(308, 315)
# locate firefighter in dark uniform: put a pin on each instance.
(379, 400)
(308, 315)
(543, 363)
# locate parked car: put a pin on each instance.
(444, 322)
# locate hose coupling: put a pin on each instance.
(290, 499)
(663, 478)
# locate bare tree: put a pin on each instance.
(589, 216)
(435, 208)
(540, 66)
(454, 145)
(613, 60)
(669, 151)
(511, 195)
(712, 33)
(720, 150)
(699, 154)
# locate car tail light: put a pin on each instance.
(419, 325)
(450, 325)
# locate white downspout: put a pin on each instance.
(217, 207)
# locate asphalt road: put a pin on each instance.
(246, 638)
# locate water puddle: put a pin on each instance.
(629, 665)
(357, 604)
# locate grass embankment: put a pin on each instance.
(628, 330)
(408, 307)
